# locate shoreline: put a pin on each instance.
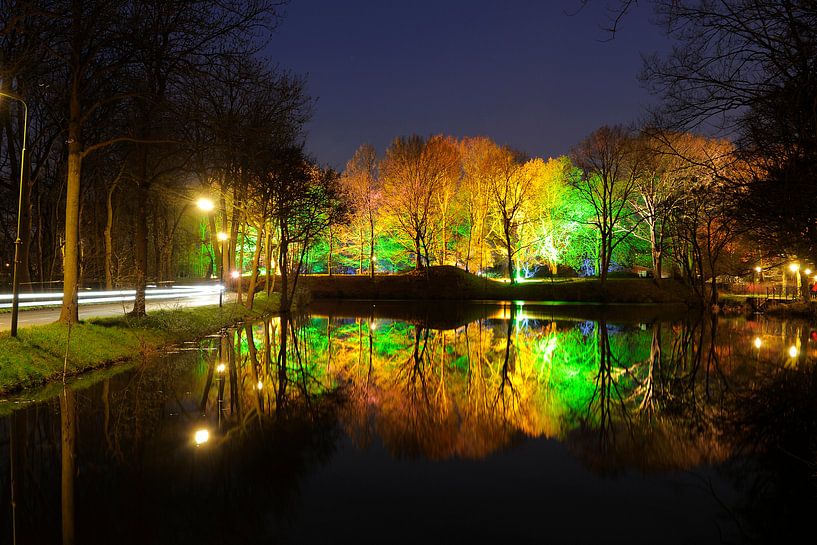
(37, 356)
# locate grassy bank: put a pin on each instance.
(452, 283)
(37, 355)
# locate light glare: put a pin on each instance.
(201, 436)
(205, 204)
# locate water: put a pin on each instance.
(412, 423)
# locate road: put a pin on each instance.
(49, 315)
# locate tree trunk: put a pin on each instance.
(23, 270)
(329, 258)
(69, 314)
(510, 255)
(109, 239)
(140, 241)
(371, 246)
(68, 442)
(240, 267)
(268, 261)
(283, 257)
(256, 260)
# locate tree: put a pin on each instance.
(511, 182)
(304, 200)
(745, 69)
(610, 168)
(552, 218)
(475, 197)
(413, 170)
(364, 189)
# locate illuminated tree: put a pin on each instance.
(611, 168)
(364, 188)
(413, 170)
(659, 189)
(551, 220)
(511, 183)
(475, 198)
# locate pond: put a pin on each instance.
(429, 423)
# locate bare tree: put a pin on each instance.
(611, 168)
(365, 190)
(413, 171)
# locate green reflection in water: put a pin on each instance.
(464, 391)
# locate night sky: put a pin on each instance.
(527, 74)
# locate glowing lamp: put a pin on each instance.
(757, 342)
(201, 436)
(205, 204)
(793, 351)
(807, 271)
(794, 267)
(235, 274)
(220, 368)
(260, 385)
(222, 236)
(757, 269)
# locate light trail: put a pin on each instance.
(113, 296)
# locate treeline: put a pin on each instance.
(621, 199)
(136, 107)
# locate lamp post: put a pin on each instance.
(15, 282)
(794, 268)
(207, 205)
(222, 237)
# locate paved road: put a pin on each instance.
(47, 316)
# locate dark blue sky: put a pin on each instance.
(524, 73)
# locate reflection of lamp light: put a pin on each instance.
(758, 342)
(220, 368)
(201, 436)
(793, 351)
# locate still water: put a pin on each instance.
(392, 423)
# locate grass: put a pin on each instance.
(38, 354)
(445, 282)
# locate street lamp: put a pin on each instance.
(794, 267)
(15, 281)
(205, 204)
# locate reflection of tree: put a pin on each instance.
(68, 449)
(772, 424)
(607, 396)
(425, 393)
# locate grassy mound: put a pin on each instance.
(452, 283)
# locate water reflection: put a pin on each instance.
(226, 445)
